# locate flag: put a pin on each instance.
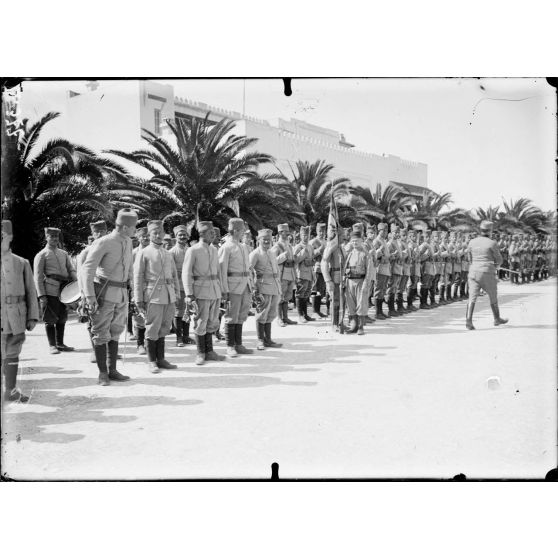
(333, 220)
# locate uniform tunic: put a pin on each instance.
(331, 264)
(357, 273)
(18, 303)
(485, 257)
(201, 276)
(396, 267)
(53, 268)
(318, 245)
(405, 266)
(303, 255)
(106, 274)
(234, 261)
(384, 267)
(283, 252)
(267, 283)
(179, 253)
(427, 264)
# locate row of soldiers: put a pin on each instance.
(170, 282)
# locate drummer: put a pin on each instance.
(53, 268)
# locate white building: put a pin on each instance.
(111, 115)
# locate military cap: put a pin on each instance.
(180, 228)
(203, 226)
(236, 224)
(370, 227)
(141, 231)
(394, 227)
(127, 217)
(98, 226)
(7, 227)
(356, 234)
(358, 227)
(52, 231)
(382, 226)
(305, 230)
(283, 227)
(321, 226)
(486, 225)
(265, 232)
(167, 237)
(154, 225)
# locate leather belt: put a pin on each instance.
(210, 277)
(56, 277)
(13, 299)
(267, 275)
(111, 283)
(356, 276)
(238, 274)
(335, 269)
(287, 264)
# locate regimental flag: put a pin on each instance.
(333, 221)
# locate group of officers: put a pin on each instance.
(160, 283)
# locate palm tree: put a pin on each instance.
(208, 174)
(60, 184)
(522, 214)
(390, 205)
(309, 187)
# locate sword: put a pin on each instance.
(509, 270)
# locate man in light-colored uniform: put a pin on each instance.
(283, 253)
(156, 288)
(303, 255)
(234, 261)
(105, 275)
(394, 255)
(319, 290)
(138, 319)
(332, 264)
(427, 269)
(384, 269)
(485, 257)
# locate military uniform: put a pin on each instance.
(138, 319)
(201, 275)
(283, 253)
(383, 270)
(357, 277)
(156, 288)
(181, 317)
(405, 273)
(53, 269)
(303, 255)
(236, 276)
(485, 257)
(268, 288)
(105, 275)
(428, 271)
(414, 271)
(319, 289)
(331, 265)
(19, 312)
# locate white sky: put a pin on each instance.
(477, 148)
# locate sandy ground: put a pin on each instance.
(411, 398)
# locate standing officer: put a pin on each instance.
(458, 254)
(303, 255)
(405, 271)
(414, 270)
(394, 255)
(427, 269)
(201, 276)
(181, 317)
(283, 253)
(319, 290)
(105, 275)
(357, 274)
(369, 246)
(514, 256)
(384, 269)
(485, 258)
(267, 288)
(53, 268)
(437, 269)
(20, 312)
(156, 289)
(139, 319)
(234, 261)
(98, 229)
(331, 264)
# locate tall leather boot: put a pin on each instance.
(432, 293)
(442, 300)
(101, 357)
(200, 355)
(261, 336)
(328, 305)
(141, 341)
(469, 316)
(456, 291)
(360, 323)
(400, 306)
(186, 339)
(336, 317)
(268, 342)
(230, 334)
(178, 327)
(392, 313)
(305, 309)
(286, 318)
(161, 361)
(51, 336)
(112, 356)
(9, 370)
(152, 356)
(300, 311)
(496, 312)
(316, 306)
(448, 293)
(423, 295)
(410, 299)
(240, 348)
(379, 312)
(60, 338)
(210, 354)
